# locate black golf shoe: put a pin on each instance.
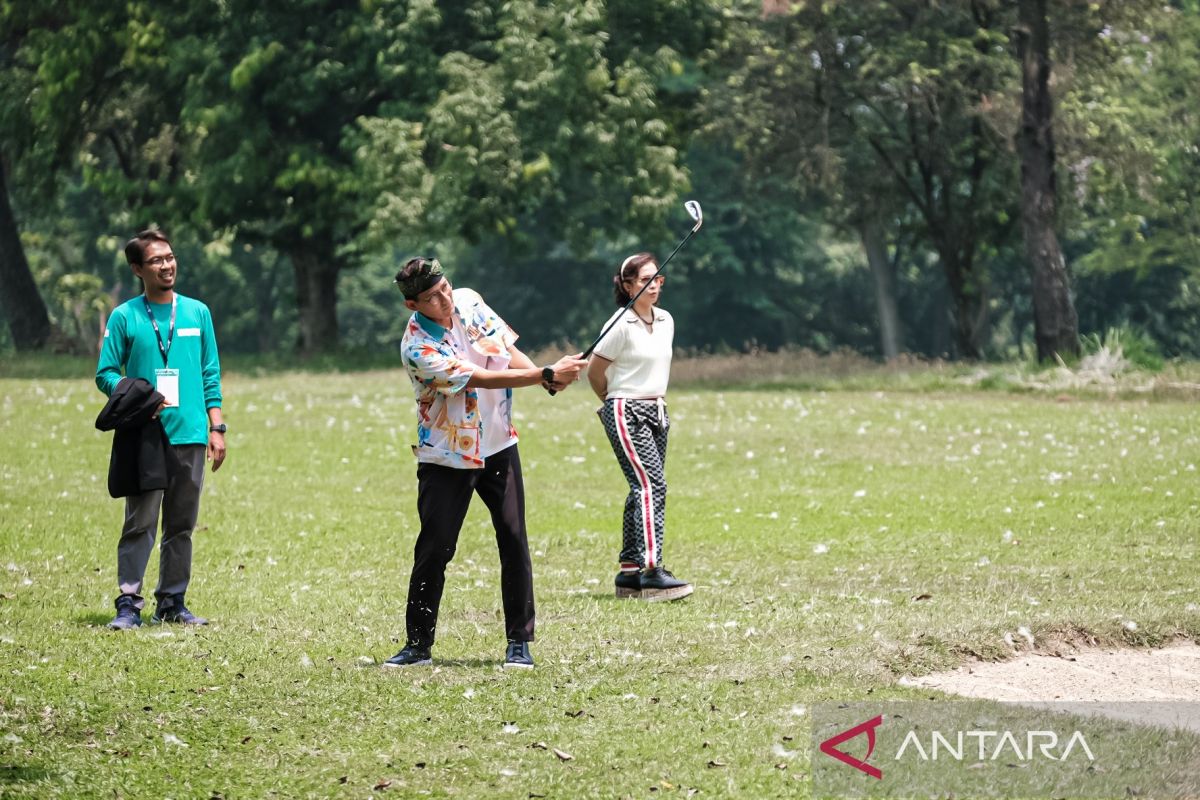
(629, 584)
(128, 616)
(172, 609)
(658, 584)
(413, 655)
(517, 656)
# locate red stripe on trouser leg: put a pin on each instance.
(643, 481)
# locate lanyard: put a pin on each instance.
(164, 349)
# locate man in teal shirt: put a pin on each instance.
(168, 340)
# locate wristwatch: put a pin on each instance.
(548, 374)
(218, 428)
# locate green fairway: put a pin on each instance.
(837, 540)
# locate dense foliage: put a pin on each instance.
(857, 162)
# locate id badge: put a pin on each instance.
(167, 383)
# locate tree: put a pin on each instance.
(549, 138)
(22, 305)
(66, 70)
(875, 109)
(1056, 327)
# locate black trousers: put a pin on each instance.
(443, 495)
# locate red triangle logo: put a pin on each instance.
(829, 746)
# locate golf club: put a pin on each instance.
(695, 212)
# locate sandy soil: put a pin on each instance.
(1157, 687)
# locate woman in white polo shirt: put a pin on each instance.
(629, 371)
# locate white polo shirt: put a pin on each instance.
(641, 357)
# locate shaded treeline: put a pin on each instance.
(972, 180)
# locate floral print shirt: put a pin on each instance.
(450, 425)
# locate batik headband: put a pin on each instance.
(421, 274)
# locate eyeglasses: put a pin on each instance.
(158, 261)
(644, 281)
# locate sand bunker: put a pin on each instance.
(1157, 687)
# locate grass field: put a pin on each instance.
(837, 539)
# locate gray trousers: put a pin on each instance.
(180, 505)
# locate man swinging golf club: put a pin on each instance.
(463, 363)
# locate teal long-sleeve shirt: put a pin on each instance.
(131, 349)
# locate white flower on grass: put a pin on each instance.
(1130, 625)
(305, 661)
(629, 696)
(1054, 477)
(171, 738)
(798, 711)
(861, 493)
(510, 727)
(749, 454)
(1008, 535)
(983, 561)
(820, 548)
(579, 505)
(469, 693)
(779, 751)
(508, 773)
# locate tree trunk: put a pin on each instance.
(884, 273)
(1055, 324)
(970, 305)
(265, 308)
(316, 299)
(23, 306)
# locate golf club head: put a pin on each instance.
(695, 212)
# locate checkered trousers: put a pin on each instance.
(638, 431)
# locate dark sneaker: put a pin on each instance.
(629, 584)
(659, 585)
(411, 656)
(128, 616)
(172, 609)
(517, 656)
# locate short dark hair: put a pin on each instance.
(135, 248)
(628, 271)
